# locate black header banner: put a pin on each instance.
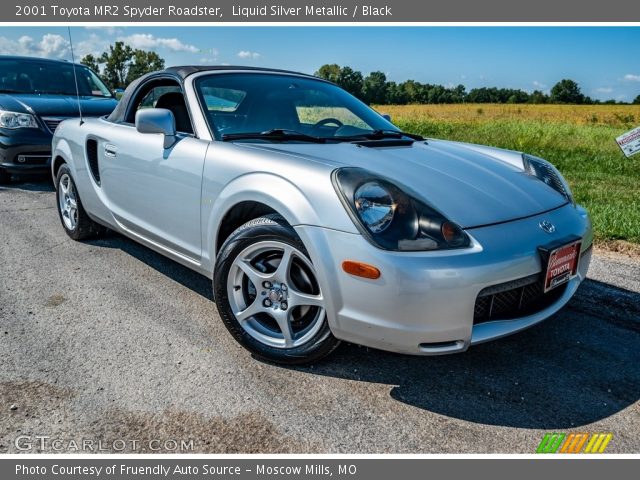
(321, 11)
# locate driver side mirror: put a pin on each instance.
(157, 120)
(386, 116)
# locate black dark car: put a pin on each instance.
(36, 94)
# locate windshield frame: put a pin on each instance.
(196, 79)
(73, 91)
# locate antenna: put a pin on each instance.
(75, 76)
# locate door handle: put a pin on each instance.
(110, 150)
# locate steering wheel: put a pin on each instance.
(327, 121)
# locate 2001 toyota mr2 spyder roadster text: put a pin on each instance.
(317, 219)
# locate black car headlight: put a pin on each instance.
(17, 120)
(391, 218)
(546, 172)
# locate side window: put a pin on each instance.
(169, 96)
(152, 97)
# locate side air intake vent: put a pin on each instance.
(92, 159)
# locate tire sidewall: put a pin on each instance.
(320, 345)
(64, 169)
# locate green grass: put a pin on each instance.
(602, 179)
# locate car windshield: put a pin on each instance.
(54, 78)
(267, 106)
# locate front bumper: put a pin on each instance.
(27, 151)
(423, 303)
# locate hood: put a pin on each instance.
(467, 184)
(57, 105)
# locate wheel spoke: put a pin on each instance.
(282, 273)
(298, 299)
(250, 271)
(285, 327)
(250, 311)
(64, 188)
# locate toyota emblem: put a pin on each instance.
(547, 226)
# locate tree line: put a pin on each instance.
(121, 64)
(376, 89)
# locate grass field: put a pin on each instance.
(578, 139)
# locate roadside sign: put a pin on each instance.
(630, 142)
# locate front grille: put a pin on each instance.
(52, 122)
(514, 299)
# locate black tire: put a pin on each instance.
(84, 228)
(267, 228)
(5, 177)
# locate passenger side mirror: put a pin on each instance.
(386, 116)
(157, 120)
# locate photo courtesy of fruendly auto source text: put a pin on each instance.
(335, 239)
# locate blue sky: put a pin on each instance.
(603, 60)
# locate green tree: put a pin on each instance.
(91, 62)
(143, 62)
(329, 72)
(538, 97)
(351, 80)
(116, 64)
(636, 101)
(374, 88)
(566, 91)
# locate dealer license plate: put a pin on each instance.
(562, 265)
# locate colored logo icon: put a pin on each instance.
(574, 443)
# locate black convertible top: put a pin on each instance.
(186, 70)
(180, 73)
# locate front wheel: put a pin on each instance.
(77, 224)
(268, 294)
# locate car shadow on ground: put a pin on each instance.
(31, 183)
(578, 367)
(180, 274)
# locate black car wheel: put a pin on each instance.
(268, 295)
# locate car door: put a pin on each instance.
(154, 192)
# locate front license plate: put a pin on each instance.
(562, 265)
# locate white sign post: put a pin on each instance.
(630, 142)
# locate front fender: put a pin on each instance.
(61, 148)
(298, 205)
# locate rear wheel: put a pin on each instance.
(74, 218)
(268, 295)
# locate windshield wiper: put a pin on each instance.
(380, 135)
(275, 134)
(11, 90)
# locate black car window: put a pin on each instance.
(49, 78)
(164, 94)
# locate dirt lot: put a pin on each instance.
(109, 341)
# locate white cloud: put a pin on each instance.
(248, 54)
(603, 90)
(147, 41)
(94, 45)
(49, 46)
(539, 85)
(632, 78)
(106, 30)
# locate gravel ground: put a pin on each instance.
(107, 340)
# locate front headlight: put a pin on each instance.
(17, 120)
(392, 219)
(549, 174)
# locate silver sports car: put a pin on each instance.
(317, 219)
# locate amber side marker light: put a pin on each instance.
(360, 269)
